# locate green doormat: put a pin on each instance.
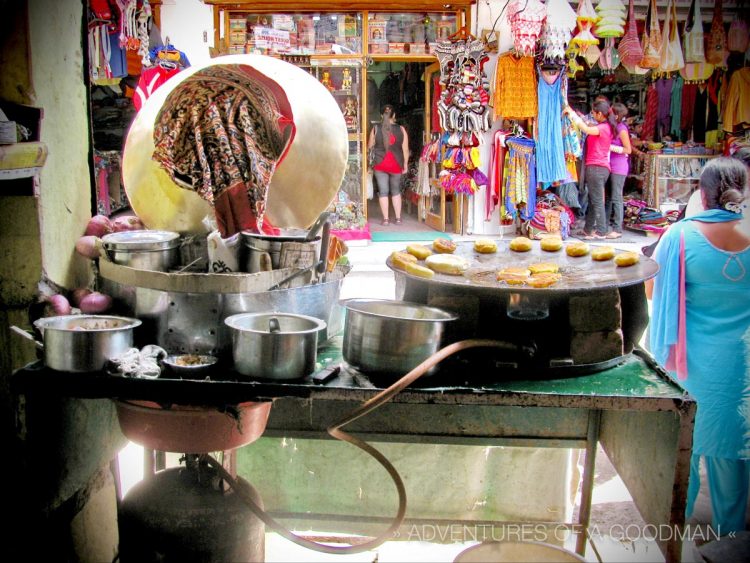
(395, 236)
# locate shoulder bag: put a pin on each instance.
(693, 39)
(651, 38)
(716, 42)
(630, 49)
(670, 55)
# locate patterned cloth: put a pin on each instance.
(526, 20)
(519, 187)
(222, 133)
(515, 87)
(652, 108)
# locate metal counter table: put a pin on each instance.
(643, 420)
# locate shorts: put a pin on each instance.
(387, 183)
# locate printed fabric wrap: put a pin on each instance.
(670, 55)
(651, 38)
(693, 39)
(716, 43)
(630, 48)
(222, 134)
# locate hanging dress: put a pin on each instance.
(550, 153)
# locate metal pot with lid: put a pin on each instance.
(144, 249)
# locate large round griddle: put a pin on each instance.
(579, 274)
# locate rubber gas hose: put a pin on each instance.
(336, 432)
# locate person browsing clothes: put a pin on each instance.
(390, 145)
(596, 159)
(619, 164)
(701, 312)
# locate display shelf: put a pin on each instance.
(672, 178)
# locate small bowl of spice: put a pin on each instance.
(190, 366)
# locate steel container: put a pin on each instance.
(84, 343)
(144, 250)
(274, 345)
(391, 337)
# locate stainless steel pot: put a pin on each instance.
(83, 343)
(144, 250)
(274, 345)
(391, 337)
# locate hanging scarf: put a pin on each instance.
(668, 331)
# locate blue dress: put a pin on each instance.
(550, 151)
(717, 287)
(717, 321)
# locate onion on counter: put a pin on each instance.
(57, 305)
(78, 294)
(99, 225)
(127, 223)
(95, 302)
(88, 246)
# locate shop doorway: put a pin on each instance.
(400, 84)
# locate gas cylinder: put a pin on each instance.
(182, 514)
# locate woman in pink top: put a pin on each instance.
(619, 166)
(596, 158)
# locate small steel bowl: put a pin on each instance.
(190, 366)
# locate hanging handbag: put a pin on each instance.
(651, 38)
(716, 42)
(738, 36)
(630, 49)
(670, 55)
(693, 39)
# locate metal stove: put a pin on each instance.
(589, 321)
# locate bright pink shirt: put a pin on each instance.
(597, 146)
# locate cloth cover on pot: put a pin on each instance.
(222, 134)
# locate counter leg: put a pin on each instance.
(587, 486)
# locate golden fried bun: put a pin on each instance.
(602, 253)
(447, 264)
(485, 246)
(544, 280)
(551, 243)
(400, 259)
(443, 245)
(576, 249)
(417, 270)
(544, 268)
(514, 276)
(626, 259)
(520, 244)
(418, 250)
